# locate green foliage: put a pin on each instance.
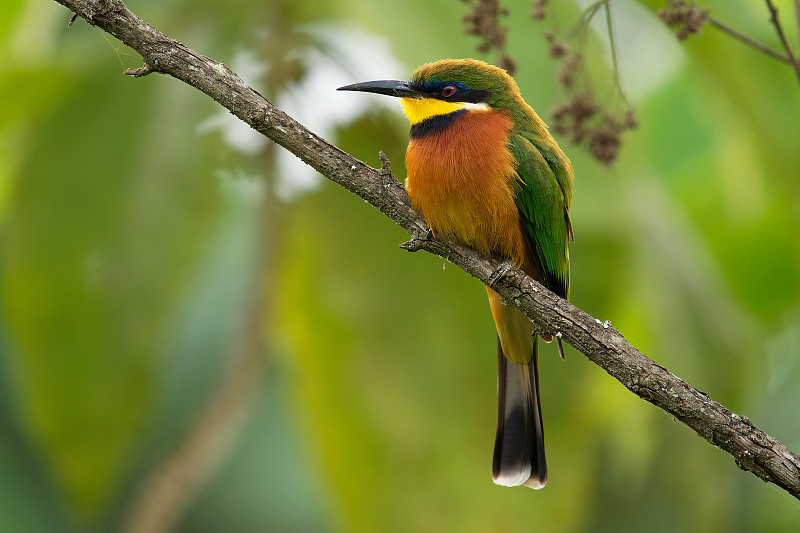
(128, 244)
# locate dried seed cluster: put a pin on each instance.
(483, 21)
(684, 18)
(581, 118)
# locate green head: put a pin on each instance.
(474, 81)
(450, 85)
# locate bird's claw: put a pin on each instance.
(560, 348)
(500, 272)
(550, 337)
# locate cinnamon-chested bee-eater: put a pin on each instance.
(483, 170)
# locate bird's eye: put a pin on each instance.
(448, 91)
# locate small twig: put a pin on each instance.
(414, 245)
(773, 11)
(797, 20)
(586, 17)
(613, 46)
(748, 40)
(144, 70)
(386, 165)
(688, 19)
(417, 243)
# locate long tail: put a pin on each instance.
(519, 444)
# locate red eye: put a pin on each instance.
(448, 91)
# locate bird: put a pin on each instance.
(483, 170)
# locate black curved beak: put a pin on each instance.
(401, 89)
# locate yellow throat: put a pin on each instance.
(418, 109)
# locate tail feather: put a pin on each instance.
(519, 444)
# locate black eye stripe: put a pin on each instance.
(474, 96)
(460, 93)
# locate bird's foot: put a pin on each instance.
(500, 272)
(549, 337)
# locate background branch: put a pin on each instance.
(776, 21)
(748, 40)
(689, 18)
(753, 450)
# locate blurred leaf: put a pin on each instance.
(268, 483)
(94, 243)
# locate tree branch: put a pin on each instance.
(748, 40)
(776, 21)
(689, 19)
(797, 21)
(752, 449)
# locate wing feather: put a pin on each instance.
(543, 200)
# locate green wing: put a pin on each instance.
(543, 202)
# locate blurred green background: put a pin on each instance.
(198, 332)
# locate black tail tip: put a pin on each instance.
(517, 457)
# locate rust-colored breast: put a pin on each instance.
(462, 179)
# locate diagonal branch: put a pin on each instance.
(752, 449)
(797, 20)
(776, 21)
(749, 40)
